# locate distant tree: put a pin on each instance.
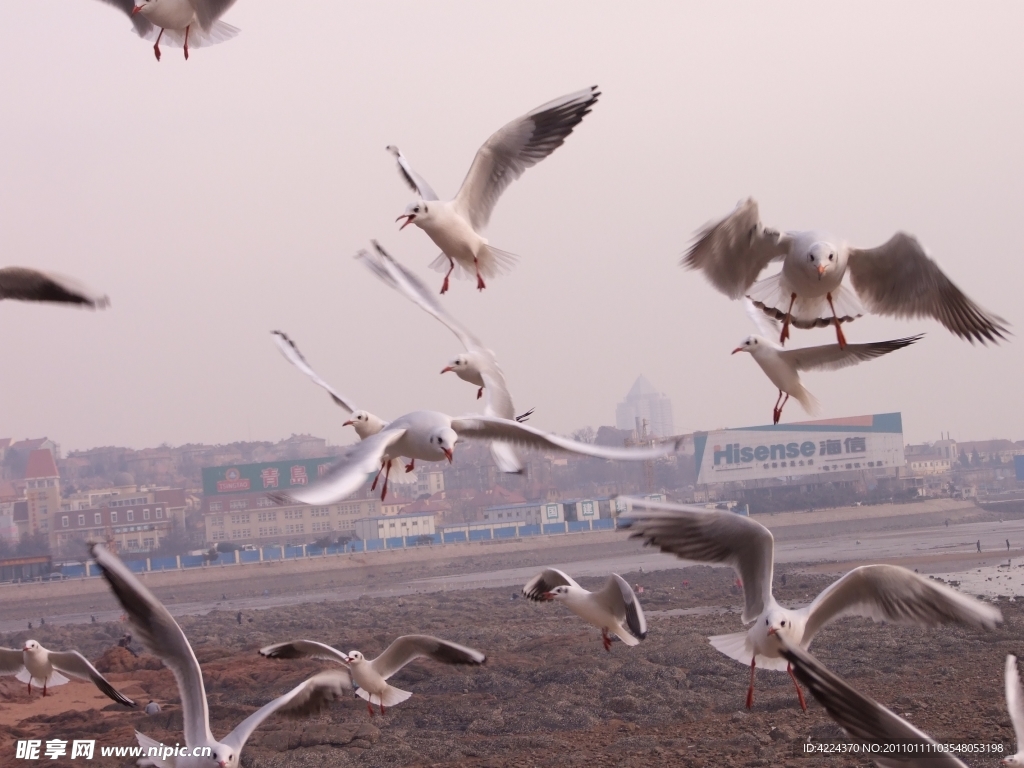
(6, 548)
(584, 435)
(976, 458)
(33, 544)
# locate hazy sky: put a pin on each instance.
(223, 197)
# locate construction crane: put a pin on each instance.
(642, 439)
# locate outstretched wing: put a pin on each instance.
(709, 536)
(347, 474)
(892, 593)
(517, 146)
(208, 11)
(620, 600)
(303, 649)
(864, 718)
(160, 633)
(410, 647)
(12, 661)
(831, 357)
(33, 285)
(898, 278)
(509, 431)
(418, 183)
(141, 23)
(76, 665)
(545, 581)
(310, 697)
(291, 352)
(734, 251)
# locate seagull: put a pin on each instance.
(161, 634)
(897, 278)
(865, 719)
(477, 365)
(615, 608)
(183, 21)
(431, 436)
(783, 366)
(32, 285)
(455, 225)
(33, 662)
(879, 592)
(371, 675)
(1015, 704)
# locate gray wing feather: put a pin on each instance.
(618, 597)
(414, 180)
(709, 536)
(410, 647)
(509, 431)
(831, 357)
(303, 649)
(898, 278)
(519, 145)
(208, 11)
(32, 285)
(545, 581)
(863, 718)
(892, 593)
(160, 633)
(734, 251)
(141, 23)
(76, 665)
(292, 354)
(12, 661)
(310, 697)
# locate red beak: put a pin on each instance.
(821, 270)
(446, 369)
(408, 220)
(136, 9)
(547, 596)
(772, 630)
(738, 349)
(448, 454)
(348, 423)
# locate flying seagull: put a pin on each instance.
(163, 637)
(33, 662)
(613, 609)
(371, 675)
(865, 719)
(455, 225)
(431, 436)
(879, 592)
(32, 285)
(897, 278)
(183, 21)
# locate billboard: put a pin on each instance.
(803, 448)
(260, 478)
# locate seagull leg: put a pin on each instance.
(451, 267)
(778, 408)
(480, 285)
(369, 708)
(377, 477)
(44, 687)
(387, 474)
(606, 640)
(839, 328)
(186, 41)
(479, 393)
(411, 465)
(382, 710)
(799, 693)
(156, 45)
(30, 685)
(785, 320)
(750, 690)
(776, 411)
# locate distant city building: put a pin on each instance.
(42, 490)
(392, 527)
(645, 402)
(132, 522)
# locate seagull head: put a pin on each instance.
(364, 423)
(460, 363)
(224, 756)
(444, 441)
(143, 6)
(558, 593)
(417, 211)
(778, 623)
(822, 258)
(31, 646)
(751, 344)
(354, 656)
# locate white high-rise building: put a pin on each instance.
(645, 402)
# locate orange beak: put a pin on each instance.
(408, 220)
(447, 454)
(821, 270)
(738, 349)
(446, 369)
(136, 9)
(348, 423)
(772, 631)
(547, 595)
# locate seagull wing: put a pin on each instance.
(33, 285)
(76, 665)
(208, 11)
(418, 183)
(291, 352)
(303, 649)
(709, 536)
(861, 717)
(898, 278)
(545, 581)
(519, 145)
(892, 593)
(141, 23)
(510, 431)
(307, 698)
(767, 327)
(620, 600)
(160, 633)
(410, 647)
(345, 477)
(832, 357)
(734, 251)
(12, 661)
(1015, 700)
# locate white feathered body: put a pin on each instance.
(582, 603)
(782, 375)
(742, 646)
(38, 669)
(374, 688)
(174, 17)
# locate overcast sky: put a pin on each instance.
(223, 197)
